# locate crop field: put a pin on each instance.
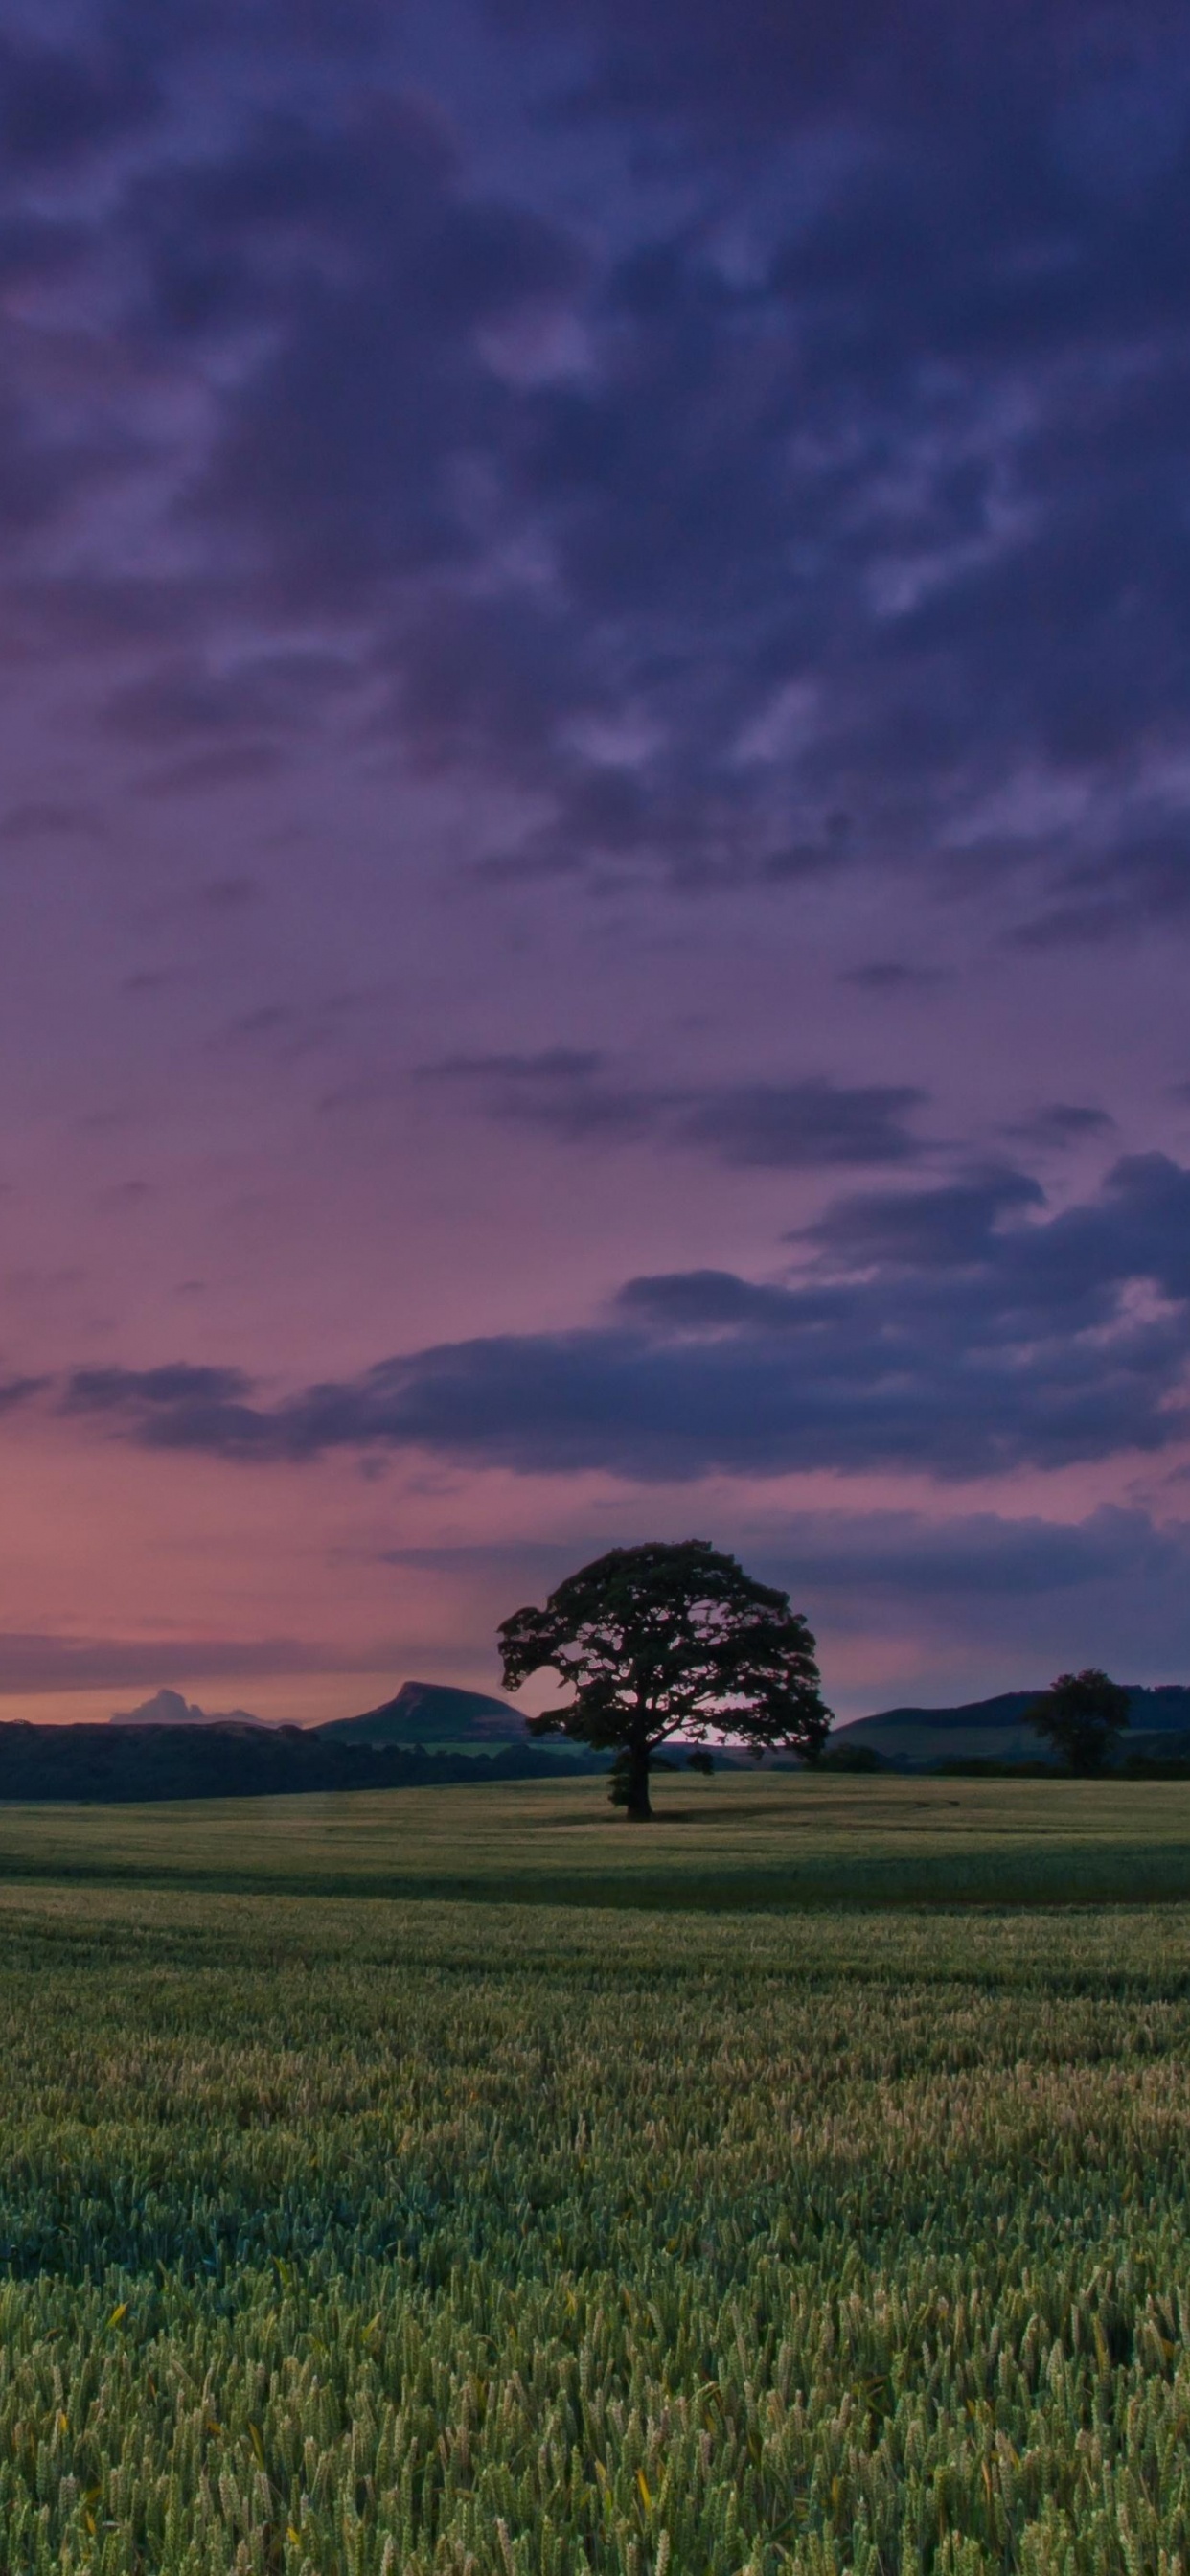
(621, 2230)
(740, 1840)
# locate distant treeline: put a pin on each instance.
(1151, 1757)
(1165, 1762)
(124, 1763)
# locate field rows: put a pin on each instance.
(739, 1841)
(354, 2236)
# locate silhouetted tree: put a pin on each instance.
(658, 1641)
(1082, 1715)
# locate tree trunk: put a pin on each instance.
(637, 1804)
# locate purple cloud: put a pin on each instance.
(956, 1334)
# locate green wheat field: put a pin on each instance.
(466, 2181)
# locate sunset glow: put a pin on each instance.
(593, 839)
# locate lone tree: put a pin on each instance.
(1082, 1715)
(659, 1641)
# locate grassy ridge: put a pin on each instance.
(736, 1841)
(418, 2239)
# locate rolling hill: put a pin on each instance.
(435, 1715)
(992, 1730)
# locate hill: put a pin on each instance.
(992, 1730)
(431, 1713)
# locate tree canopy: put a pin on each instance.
(666, 1640)
(1082, 1715)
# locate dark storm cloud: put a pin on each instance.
(230, 725)
(57, 103)
(1109, 1589)
(1062, 1123)
(343, 449)
(793, 1126)
(803, 1125)
(174, 1407)
(1112, 1588)
(19, 1390)
(184, 702)
(880, 1556)
(965, 1336)
(959, 511)
(564, 1090)
(951, 1226)
(983, 1555)
(1143, 878)
(771, 500)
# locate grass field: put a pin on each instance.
(344, 2230)
(737, 1840)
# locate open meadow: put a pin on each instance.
(463, 2180)
(741, 1840)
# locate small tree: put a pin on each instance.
(658, 1641)
(1082, 1715)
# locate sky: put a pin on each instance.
(594, 832)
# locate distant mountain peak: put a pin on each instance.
(169, 1708)
(431, 1713)
(448, 1696)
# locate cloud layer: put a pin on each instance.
(757, 453)
(36, 1664)
(766, 1126)
(953, 1331)
(596, 736)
